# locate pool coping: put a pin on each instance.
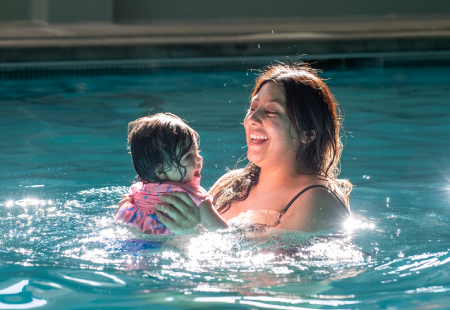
(328, 39)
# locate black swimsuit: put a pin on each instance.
(313, 186)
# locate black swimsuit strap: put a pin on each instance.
(312, 186)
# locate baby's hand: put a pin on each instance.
(125, 198)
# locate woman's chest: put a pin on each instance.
(275, 200)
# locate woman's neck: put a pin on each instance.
(280, 175)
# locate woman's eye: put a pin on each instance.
(271, 112)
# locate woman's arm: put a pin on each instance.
(316, 209)
(181, 214)
(210, 218)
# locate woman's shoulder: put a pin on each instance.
(336, 188)
(319, 205)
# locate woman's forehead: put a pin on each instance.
(271, 91)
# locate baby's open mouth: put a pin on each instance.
(197, 174)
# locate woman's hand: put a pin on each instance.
(125, 198)
(181, 212)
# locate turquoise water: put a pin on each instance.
(64, 165)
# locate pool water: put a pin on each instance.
(64, 165)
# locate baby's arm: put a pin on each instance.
(125, 198)
(210, 218)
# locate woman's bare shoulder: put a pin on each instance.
(316, 209)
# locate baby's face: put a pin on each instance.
(192, 162)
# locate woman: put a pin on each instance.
(294, 148)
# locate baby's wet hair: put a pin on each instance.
(159, 142)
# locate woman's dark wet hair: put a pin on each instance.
(309, 106)
(161, 139)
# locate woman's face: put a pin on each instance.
(270, 140)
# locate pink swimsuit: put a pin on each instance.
(141, 213)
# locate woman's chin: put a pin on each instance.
(254, 158)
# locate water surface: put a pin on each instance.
(64, 165)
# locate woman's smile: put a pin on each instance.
(257, 139)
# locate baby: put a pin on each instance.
(166, 159)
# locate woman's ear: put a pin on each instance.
(306, 138)
(312, 135)
(159, 172)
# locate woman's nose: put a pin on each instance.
(256, 116)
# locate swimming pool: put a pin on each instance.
(64, 164)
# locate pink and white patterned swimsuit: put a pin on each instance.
(141, 213)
